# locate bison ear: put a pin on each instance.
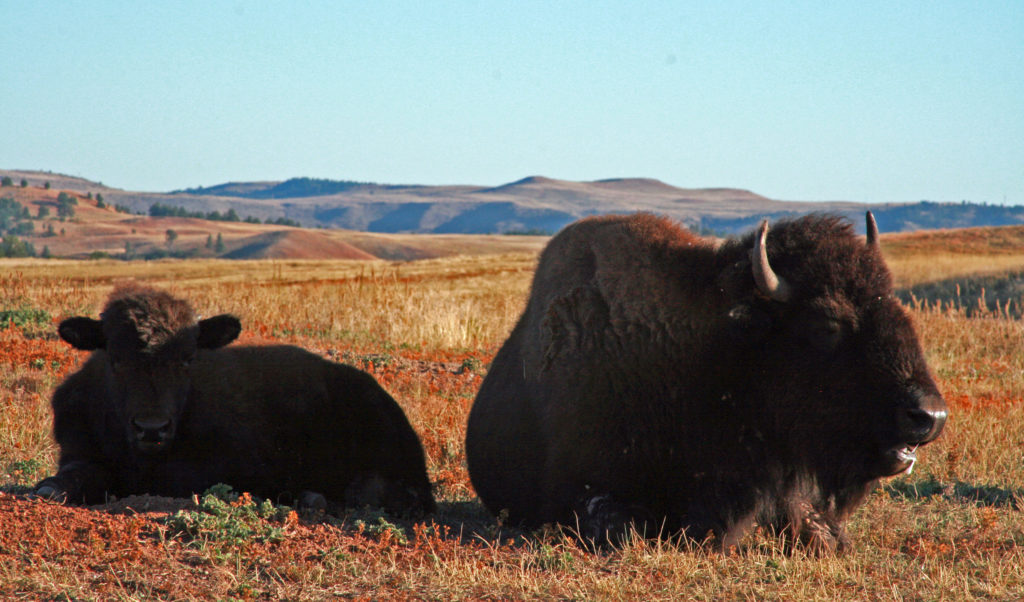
(218, 331)
(83, 333)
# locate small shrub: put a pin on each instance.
(25, 316)
(554, 557)
(471, 364)
(25, 472)
(228, 518)
(382, 529)
(378, 360)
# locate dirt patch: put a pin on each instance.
(152, 506)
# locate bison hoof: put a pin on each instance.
(605, 522)
(822, 540)
(49, 492)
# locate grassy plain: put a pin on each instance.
(427, 330)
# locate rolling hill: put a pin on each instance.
(534, 204)
(95, 232)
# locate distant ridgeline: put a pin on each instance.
(541, 206)
(928, 215)
(924, 215)
(159, 210)
(289, 189)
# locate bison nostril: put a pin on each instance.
(939, 417)
(919, 425)
(151, 428)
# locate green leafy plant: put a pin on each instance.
(25, 472)
(382, 528)
(25, 316)
(375, 359)
(229, 518)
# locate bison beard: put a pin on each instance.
(161, 408)
(685, 386)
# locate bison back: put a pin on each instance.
(297, 422)
(556, 400)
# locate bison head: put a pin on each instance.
(836, 351)
(149, 339)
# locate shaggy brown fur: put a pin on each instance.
(651, 381)
(160, 408)
(137, 320)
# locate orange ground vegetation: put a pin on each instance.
(982, 240)
(954, 529)
(17, 350)
(116, 547)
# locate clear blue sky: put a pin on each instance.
(867, 101)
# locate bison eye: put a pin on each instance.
(825, 334)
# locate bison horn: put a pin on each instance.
(872, 228)
(767, 281)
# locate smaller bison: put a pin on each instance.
(160, 408)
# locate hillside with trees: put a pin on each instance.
(534, 204)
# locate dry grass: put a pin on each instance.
(920, 267)
(952, 530)
(454, 303)
(934, 255)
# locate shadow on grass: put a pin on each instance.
(957, 491)
(14, 489)
(455, 520)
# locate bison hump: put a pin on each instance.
(573, 324)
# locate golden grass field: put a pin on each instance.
(952, 530)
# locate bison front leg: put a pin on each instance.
(604, 521)
(77, 482)
(820, 535)
(815, 531)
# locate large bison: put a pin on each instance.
(689, 386)
(160, 408)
